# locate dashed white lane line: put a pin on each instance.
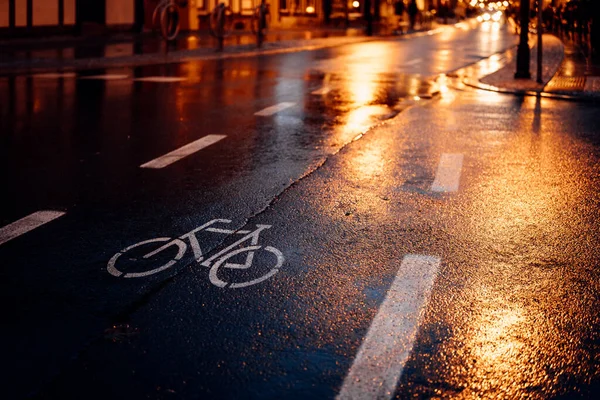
(592, 84)
(447, 177)
(182, 152)
(325, 88)
(274, 109)
(321, 91)
(412, 62)
(55, 75)
(161, 79)
(108, 77)
(27, 224)
(384, 351)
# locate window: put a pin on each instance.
(247, 5)
(298, 7)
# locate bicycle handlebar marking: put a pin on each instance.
(216, 263)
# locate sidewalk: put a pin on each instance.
(566, 73)
(147, 49)
(71, 53)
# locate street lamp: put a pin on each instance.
(523, 50)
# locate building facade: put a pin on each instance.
(39, 17)
(284, 13)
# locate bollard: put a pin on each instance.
(523, 54)
(539, 39)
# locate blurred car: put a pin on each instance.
(491, 16)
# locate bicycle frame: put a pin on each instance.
(195, 245)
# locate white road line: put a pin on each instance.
(448, 174)
(55, 75)
(182, 152)
(161, 79)
(592, 84)
(325, 88)
(322, 91)
(412, 62)
(27, 224)
(108, 77)
(274, 109)
(384, 351)
(472, 55)
(227, 231)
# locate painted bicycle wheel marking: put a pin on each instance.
(216, 263)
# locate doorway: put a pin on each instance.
(91, 12)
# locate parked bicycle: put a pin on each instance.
(427, 19)
(221, 23)
(261, 19)
(141, 262)
(165, 18)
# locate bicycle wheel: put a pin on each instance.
(169, 21)
(118, 271)
(156, 16)
(222, 263)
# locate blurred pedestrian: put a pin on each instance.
(398, 15)
(548, 16)
(558, 20)
(594, 27)
(444, 10)
(568, 18)
(413, 10)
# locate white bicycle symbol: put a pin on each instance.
(215, 262)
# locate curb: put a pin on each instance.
(168, 58)
(569, 96)
(269, 48)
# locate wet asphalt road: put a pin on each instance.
(510, 310)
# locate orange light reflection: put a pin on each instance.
(527, 190)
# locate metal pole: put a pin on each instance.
(539, 42)
(523, 55)
(347, 17)
(368, 17)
